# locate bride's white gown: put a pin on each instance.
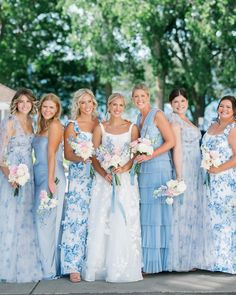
(114, 238)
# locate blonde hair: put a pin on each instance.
(42, 124)
(78, 96)
(16, 98)
(141, 86)
(114, 96)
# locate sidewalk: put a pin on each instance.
(199, 282)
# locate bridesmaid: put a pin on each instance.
(220, 217)
(185, 249)
(48, 151)
(19, 259)
(74, 237)
(156, 170)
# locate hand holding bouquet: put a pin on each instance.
(172, 189)
(210, 158)
(83, 149)
(47, 201)
(141, 146)
(18, 175)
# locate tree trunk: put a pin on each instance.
(160, 91)
(108, 91)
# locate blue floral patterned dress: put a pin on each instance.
(74, 236)
(220, 215)
(19, 249)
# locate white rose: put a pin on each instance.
(169, 201)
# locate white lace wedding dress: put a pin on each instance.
(114, 236)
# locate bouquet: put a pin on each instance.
(85, 150)
(210, 158)
(139, 147)
(47, 201)
(111, 156)
(172, 189)
(19, 175)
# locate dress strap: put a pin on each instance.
(75, 126)
(102, 128)
(130, 128)
(150, 117)
(229, 128)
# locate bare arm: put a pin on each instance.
(128, 165)
(55, 135)
(69, 153)
(97, 139)
(169, 140)
(6, 132)
(177, 151)
(231, 163)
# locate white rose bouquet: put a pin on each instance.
(210, 158)
(19, 175)
(141, 146)
(172, 189)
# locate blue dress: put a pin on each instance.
(19, 257)
(186, 250)
(49, 222)
(156, 214)
(75, 223)
(220, 213)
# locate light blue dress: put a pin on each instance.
(186, 250)
(19, 257)
(220, 216)
(75, 223)
(156, 215)
(49, 222)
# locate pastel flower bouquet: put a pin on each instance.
(172, 189)
(18, 175)
(111, 157)
(141, 146)
(47, 200)
(85, 150)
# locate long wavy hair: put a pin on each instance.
(16, 98)
(78, 96)
(42, 124)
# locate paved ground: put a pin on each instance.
(199, 282)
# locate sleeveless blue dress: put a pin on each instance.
(48, 224)
(186, 249)
(156, 214)
(19, 251)
(77, 203)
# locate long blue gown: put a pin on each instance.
(48, 223)
(19, 257)
(77, 203)
(156, 215)
(186, 251)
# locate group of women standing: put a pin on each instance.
(103, 231)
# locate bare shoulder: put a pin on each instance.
(56, 125)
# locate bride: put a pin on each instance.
(114, 237)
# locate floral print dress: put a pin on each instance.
(220, 215)
(74, 236)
